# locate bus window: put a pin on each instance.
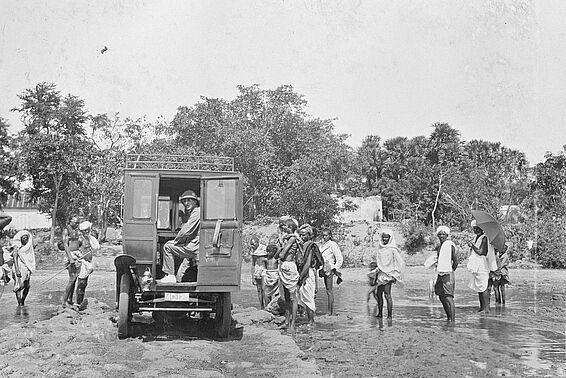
(164, 213)
(142, 198)
(220, 199)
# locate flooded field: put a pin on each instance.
(532, 325)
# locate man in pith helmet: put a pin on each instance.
(186, 243)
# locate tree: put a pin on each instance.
(370, 160)
(53, 147)
(267, 132)
(8, 166)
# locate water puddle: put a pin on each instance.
(536, 348)
(40, 305)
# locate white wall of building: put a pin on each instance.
(27, 219)
(369, 209)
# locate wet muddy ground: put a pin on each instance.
(526, 337)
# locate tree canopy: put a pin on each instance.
(292, 163)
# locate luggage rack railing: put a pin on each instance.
(180, 162)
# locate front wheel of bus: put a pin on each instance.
(223, 315)
(124, 307)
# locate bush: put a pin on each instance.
(416, 237)
(550, 249)
(517, 236)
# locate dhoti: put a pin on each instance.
(289, 275)
(306, 291)
(271, 282)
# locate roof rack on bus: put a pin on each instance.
(180, 162)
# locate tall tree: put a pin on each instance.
(370, 160)
(53, 147)
(8, 166)
(267, 132)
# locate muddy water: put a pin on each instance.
(40, 305)
(536, 348)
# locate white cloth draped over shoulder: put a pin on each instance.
(26, 253)
(26, 259)
(332, 256)
(444, 262)
(478, 266)
(389, 260)
(306, 292)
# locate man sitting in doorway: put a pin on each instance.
(186, 243)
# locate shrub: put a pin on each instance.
(550, 249)
(416, 237)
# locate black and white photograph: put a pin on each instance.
(308, 188)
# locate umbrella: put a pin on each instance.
(491, 228)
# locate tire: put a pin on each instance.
(223, 315)
(124, 307)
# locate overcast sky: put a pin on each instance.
(494, 70)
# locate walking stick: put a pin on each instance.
(66, 266)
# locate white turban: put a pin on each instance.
(444, 229)
(85, 226)
(473, 224)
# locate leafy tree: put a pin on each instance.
(551, 183)
(306, 195)
(443, 155)
(267, 132)
(370, 158)
(53, 147)
(8, 167)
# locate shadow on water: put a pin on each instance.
(534, 347)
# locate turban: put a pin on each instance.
(444, 229)
(307, 228)
(85, 225)
(473, 224)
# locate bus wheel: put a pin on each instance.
(223, 315)
(124, 307)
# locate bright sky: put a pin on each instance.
(494, 70)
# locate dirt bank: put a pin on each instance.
(73, 344)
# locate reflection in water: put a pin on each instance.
(536, 348)
(22, 313)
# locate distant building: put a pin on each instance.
(24, 213)
(369, 209)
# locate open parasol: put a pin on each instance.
(491, 228)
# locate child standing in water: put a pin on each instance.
(389, 265)
(372, 276)
(500, 277)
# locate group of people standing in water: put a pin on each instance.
(487, 265)
(17, 260)
(285, 270)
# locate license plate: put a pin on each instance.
(177, 297)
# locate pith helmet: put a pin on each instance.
(188, 194)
